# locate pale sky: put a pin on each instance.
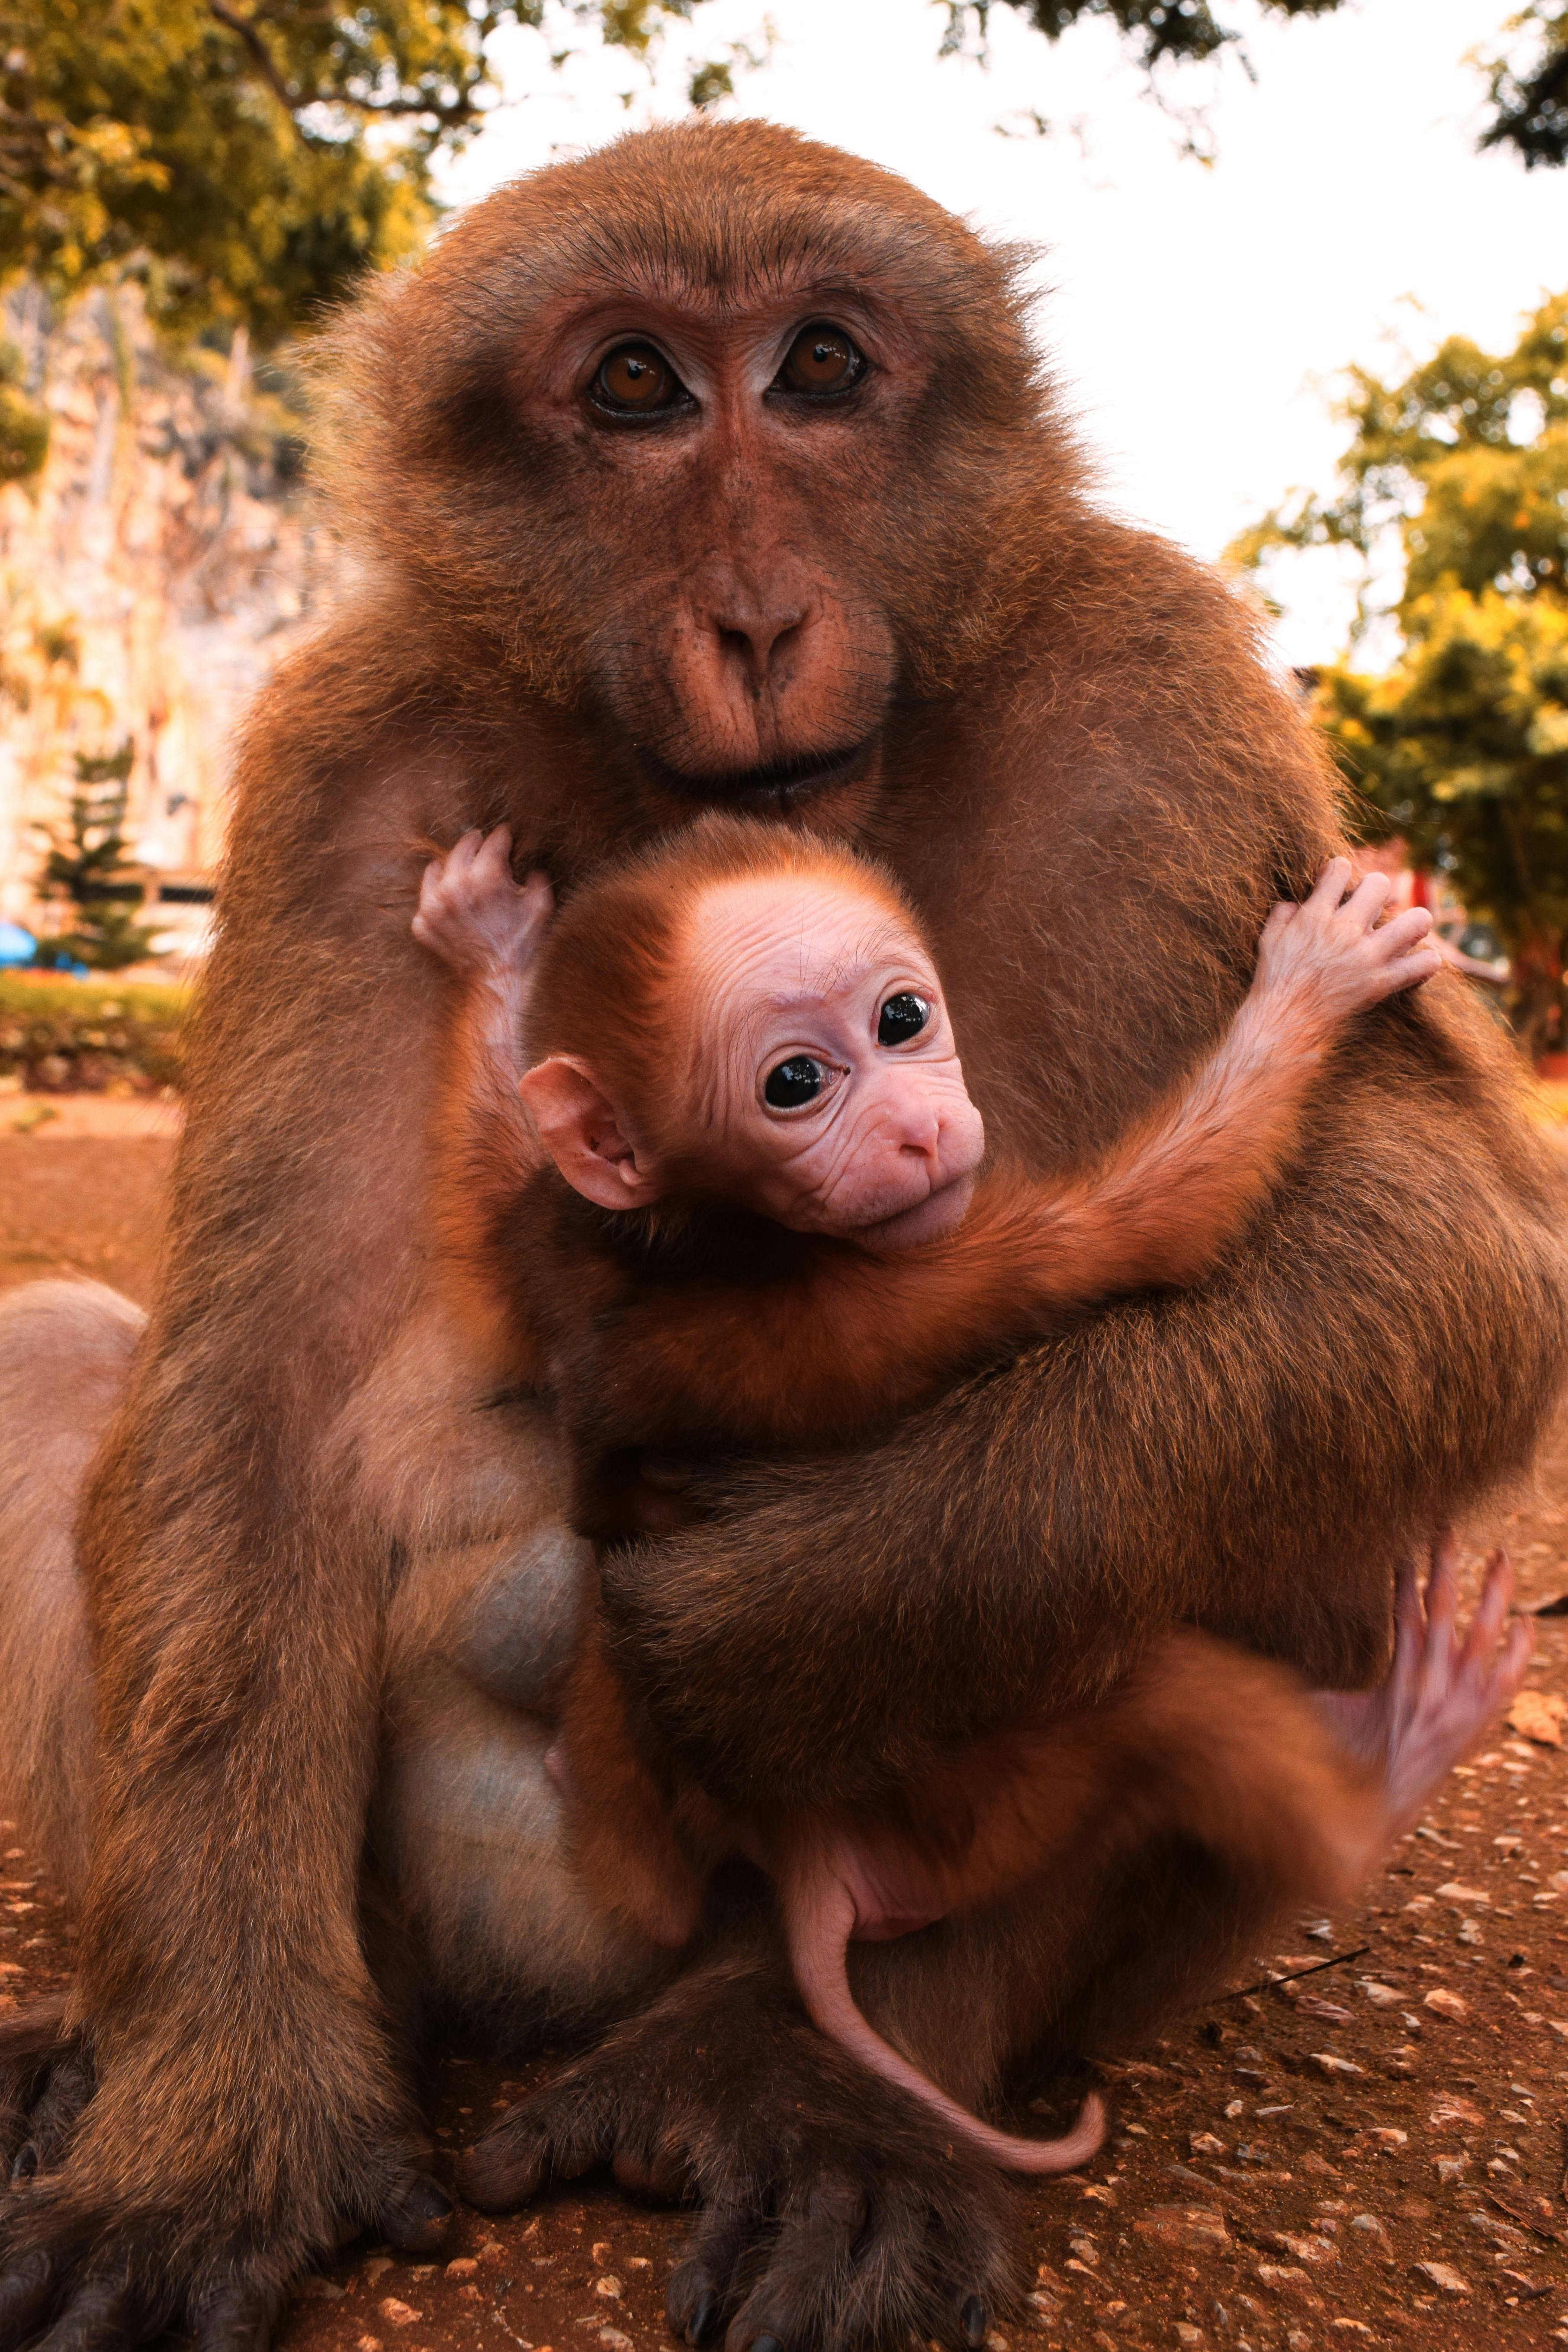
(1197, 317)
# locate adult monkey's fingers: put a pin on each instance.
(699, 2292)
(414, 2213)
(232, 2319)
(26, 2295)
(54, 2119)
(101, 2314)
(662, 2171)
(974, 2320)
(814, 2243)
(559, 2134)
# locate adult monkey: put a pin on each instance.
(713, 469)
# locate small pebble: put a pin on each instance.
(1443, 2277)
(1444, 2003)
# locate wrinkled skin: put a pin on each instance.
(324, 1589)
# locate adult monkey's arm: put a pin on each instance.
(247, 2104)
(1246, 1456)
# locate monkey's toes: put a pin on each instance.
(415, 2214)
(556, 2136)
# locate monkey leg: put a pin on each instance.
(467, 1831)
(65, 1353)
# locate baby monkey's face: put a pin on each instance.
(829, 1094)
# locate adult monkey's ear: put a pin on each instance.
(579, 1128)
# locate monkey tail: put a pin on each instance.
(820, 1918)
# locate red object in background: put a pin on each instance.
(1552, 1066)
(1420, 895)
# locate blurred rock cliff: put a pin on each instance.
(151, 573)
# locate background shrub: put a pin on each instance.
(63, 1035)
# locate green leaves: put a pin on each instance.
(1461, 470)
(248, 159)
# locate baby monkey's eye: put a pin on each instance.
(902, 1017)
(799, 1080)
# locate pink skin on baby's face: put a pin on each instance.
(829, 1093)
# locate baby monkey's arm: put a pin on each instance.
(488, 930)
(859, 1339)
(1163, 1203)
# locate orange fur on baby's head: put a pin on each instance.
(614, 978)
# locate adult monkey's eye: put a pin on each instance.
(635, 379)
(790, 1083)
(902, 1017)
(822, 359)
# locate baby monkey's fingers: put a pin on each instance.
(1402, 931)
(1367, 900)
(1402, 953)
(493, 858)
(473, 914)
(1329, 887)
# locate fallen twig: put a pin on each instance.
(1266, 1984)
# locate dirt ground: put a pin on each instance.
(1373, 2153)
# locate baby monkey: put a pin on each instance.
(775, 1232)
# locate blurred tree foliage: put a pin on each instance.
(248, 157)
(1461, 469)
(1156, 30)
(1529, 81)
(24, 427)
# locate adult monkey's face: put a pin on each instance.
(730, 443)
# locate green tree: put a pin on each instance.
(1458, 472)
(249, 158)
(1528, 75)
(86, 867)
(24, 427)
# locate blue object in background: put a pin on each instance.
(17, 946)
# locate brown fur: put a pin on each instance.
(677, 1327)
(681, 1327)
(1069, 751)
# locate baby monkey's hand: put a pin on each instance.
(1330, 956)
(474, 915)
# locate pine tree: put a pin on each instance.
(86, 868)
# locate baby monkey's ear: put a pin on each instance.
(579, 1128)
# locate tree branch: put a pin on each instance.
(246, 31)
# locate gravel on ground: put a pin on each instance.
(1364, 2144)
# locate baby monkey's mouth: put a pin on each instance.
(773, 790)
(939, 1212)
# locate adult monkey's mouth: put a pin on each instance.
(776, 789)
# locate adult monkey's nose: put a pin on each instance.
(757, 622)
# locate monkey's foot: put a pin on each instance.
(1445, 1687)
(832, 2209)
(80, 2276)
